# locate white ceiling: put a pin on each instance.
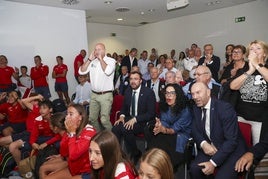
(99, 12)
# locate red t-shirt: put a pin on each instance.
(76, 150)
(6, 74)
(77, 59)
(42, 128)
(59, 69)
(15, 113)
(39, 75)
(31, 118)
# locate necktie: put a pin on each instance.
(204, 110)
(204, 118)
(133, 103)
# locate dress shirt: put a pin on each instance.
(163, 74)
(101, 80)
(207, 125)
(82, 93)
(155, 87)
(143, 65)
(136, 100)
(131, 59)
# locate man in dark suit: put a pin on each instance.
(216, 132)
(130, 60)
(136, 111)
(211, 61)
(257, 152)
(157, 85)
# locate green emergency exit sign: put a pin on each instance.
(240, 19)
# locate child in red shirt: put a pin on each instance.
(75, 143)
(16, 114)
(16, 141)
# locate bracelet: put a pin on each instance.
(247, 75)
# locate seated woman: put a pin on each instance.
(55, 162)
(74, 144)
(107, 159)
(15, 112)
(156, 164)
(253, 86)
(172, 130)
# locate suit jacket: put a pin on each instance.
(126, 62)
(224, 131)
(161, 88)
(124, 84)
(261, 148)
(214, 66)
(146, 111)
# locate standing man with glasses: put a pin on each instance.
(101, 71)
(136, 111)
(203, 74)
(216, 132)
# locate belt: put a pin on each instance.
(102, 92)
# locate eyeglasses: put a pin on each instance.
(170, 93)
(199, 74)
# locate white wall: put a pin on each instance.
(29, 30)
(217, 27)
(125, 37)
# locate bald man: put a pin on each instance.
(216, 132)
(101, 70)
(203, 74)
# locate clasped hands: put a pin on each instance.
(129, 124)
(158, 128)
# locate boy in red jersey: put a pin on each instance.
(41, 135)
(59, 73)
(16, 114)
(39, 75)
(16, 141)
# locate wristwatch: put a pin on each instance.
(71, 134)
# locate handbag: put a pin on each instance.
(27, 166)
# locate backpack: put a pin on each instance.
(7, 162)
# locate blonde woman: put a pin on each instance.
(253, 85)
(156, 164)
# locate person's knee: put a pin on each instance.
(194, 170)
(7, 131)
(14, 146)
